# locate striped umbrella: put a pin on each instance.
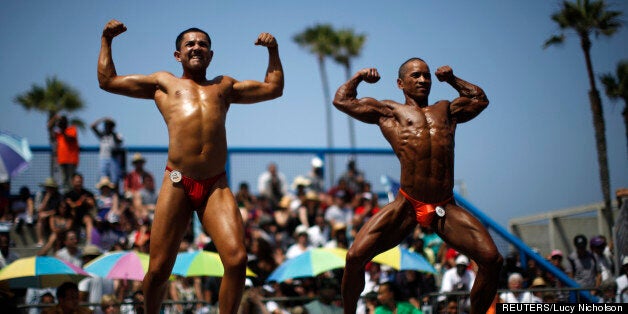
(40, 272)
(129, 265)
(402, 259)
(15, 154)
(311, 263)
(201, 263)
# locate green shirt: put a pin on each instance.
(402, 308)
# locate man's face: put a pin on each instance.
(195, 52)
(77, 182)
(416, 80)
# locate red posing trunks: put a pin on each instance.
(197, 191)
(424, 212)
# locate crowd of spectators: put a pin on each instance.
(282, 220)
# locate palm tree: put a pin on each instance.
(586, 17)
(616, 87)
(319, 40)
(54, 97)
(347, 46)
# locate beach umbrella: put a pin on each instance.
(129, 265)
(201, 263)
(402, 259)
(15, 154)
(311, 263)
(40, 272)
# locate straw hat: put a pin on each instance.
(49, 183)
(538, 282)
(104, 181)
(137, 157)
(91, 250)
(312, 196)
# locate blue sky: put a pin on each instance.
(531, 151)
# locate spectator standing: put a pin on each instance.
(622, 281)
(66, 137)
(605, 263)
(316, 176)
(272, 183)
(110, 154)
(582, 266)
(353, 176)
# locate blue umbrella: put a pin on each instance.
(15, 154)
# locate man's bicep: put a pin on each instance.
(250, 91)
(135, 85)
(464, 109)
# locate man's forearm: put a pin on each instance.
(106, 67)
(348, 90)
(466, 89)
(274, 73)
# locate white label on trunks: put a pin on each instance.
(175, 176)
(440, 211)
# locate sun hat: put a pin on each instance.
(462, 260)
(104, 181)
(49, 183)
(137, 157)
(556, 252)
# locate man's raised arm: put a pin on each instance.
(249, 91)
(472, 98)
(139, 86)
(367, 109)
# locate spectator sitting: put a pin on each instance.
(81, 203)
(109, 304)
(68, 296)
(302, 242)
(107, 201)
(622, 281)
(47, 203)
(23, 208)
(272, 184)
(515, 284)
(145, 200)
(459, 278)
(134, 180)
(59, 223)
(327, 292)
(390, 301)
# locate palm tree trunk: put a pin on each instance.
(53, 146)
(625, 115)
(600, 133)
(329, 129)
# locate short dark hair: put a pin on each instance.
(63, 289)
(403, 65)
(191, 30)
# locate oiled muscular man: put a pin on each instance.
(422, 137)
(194, 109)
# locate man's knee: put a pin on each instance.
(235, 259)
(355, 258)
(490, 259)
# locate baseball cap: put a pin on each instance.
(597, 241)
(462, 260)
(556, 252)
(580, 241)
